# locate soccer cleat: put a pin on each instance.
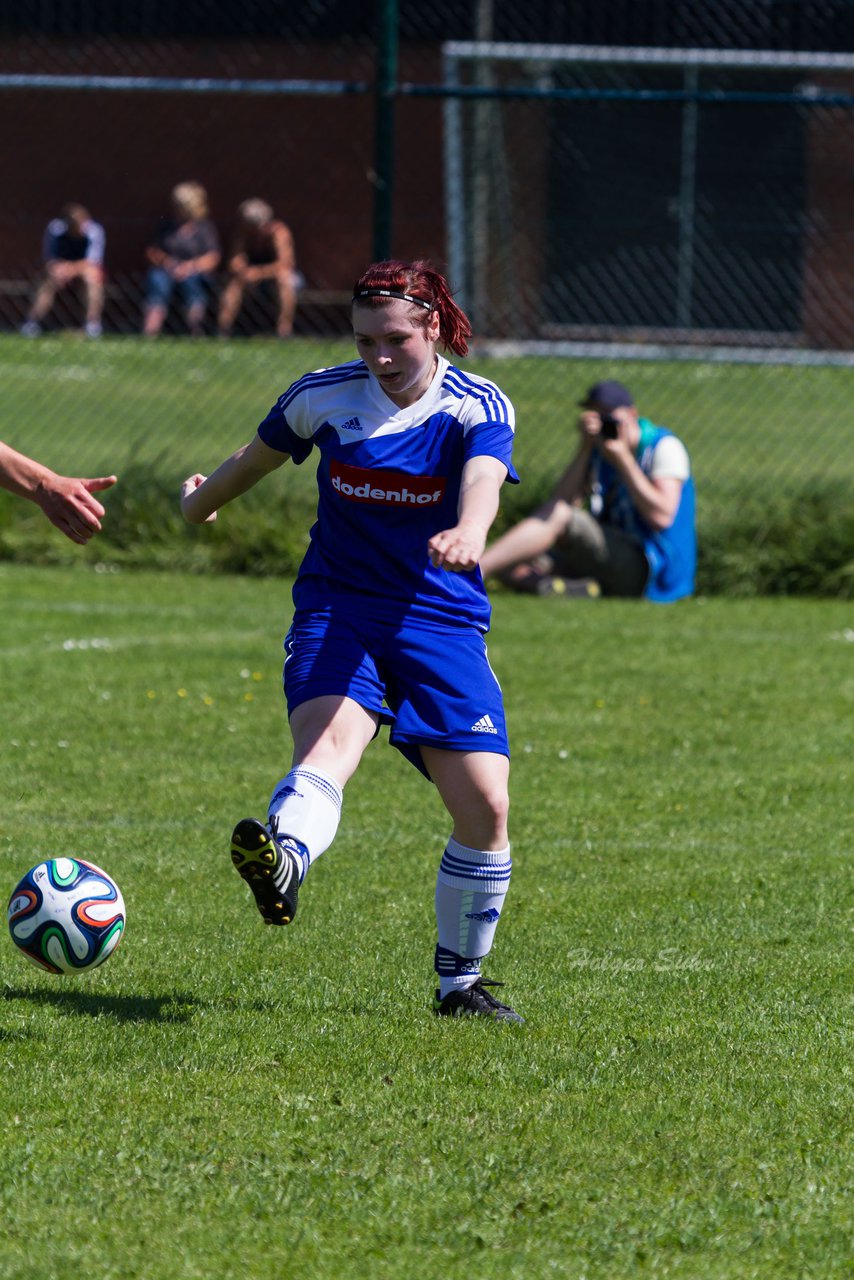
(572, 588)
(269, 868)
(475, 1001)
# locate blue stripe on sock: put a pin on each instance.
(452, 866)
(328, 789)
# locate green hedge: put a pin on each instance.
(801, 543)
(798, 544)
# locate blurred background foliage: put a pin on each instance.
(654, 192)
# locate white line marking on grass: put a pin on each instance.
(176, 640)
(113, 610)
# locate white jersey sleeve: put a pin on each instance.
(670, 460)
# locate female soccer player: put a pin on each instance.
(390, 608)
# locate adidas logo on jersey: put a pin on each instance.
(484, 725)
(352, 424)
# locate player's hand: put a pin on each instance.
(69, 505)
(188, 489)
(458, 549)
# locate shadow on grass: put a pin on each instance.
(176, 1007)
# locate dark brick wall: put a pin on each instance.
(120, 153)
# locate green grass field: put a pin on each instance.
(182, 405)
(221, 1100)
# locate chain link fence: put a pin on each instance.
(655, 192)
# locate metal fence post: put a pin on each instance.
(386, 89)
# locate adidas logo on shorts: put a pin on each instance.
(484, 725)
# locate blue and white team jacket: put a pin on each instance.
(671, 553)
(388, 479)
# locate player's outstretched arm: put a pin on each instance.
(202, 496)
(67, 501)
(459, 549)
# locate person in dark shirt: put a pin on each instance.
(183, 253)
(262, 255)
(73, 249)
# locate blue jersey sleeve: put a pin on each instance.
(495, 439)
(277, 432)
(487, 416)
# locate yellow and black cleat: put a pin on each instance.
(269, 867)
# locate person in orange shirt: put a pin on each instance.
(262, 253)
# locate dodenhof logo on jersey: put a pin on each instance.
(388, 488)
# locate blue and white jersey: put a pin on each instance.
(59, 244)
(388, 479)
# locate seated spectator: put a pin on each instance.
(262, 253)
(183, 254)
(73, 249)
(636, 535)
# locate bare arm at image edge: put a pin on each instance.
(68, 502)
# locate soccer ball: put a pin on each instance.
(66, 915)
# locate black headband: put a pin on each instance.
(393, 293)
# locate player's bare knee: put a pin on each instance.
(490, 819)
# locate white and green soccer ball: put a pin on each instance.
(66, 915)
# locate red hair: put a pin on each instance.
(417, 280)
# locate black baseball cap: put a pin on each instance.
(607, 396)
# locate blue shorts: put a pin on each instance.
(160, 284)
(431, 683)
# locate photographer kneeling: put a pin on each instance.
(634, 537)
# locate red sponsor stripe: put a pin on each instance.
(387, 488)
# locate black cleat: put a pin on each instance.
(270, 869)
(475, 1001)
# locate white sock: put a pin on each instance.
(470, 891)
(306, 805)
